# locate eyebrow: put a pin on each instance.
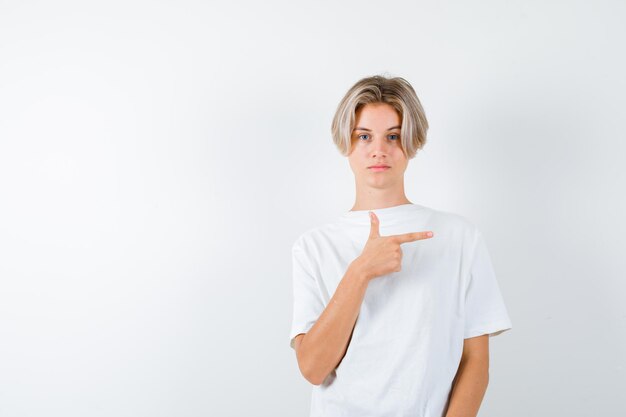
(369, 130)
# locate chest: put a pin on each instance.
(431, 272)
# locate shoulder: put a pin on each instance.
(313, 235)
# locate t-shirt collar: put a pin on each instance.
(385, 215)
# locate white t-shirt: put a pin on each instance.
(408, 338)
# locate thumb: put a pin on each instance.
(374, 224)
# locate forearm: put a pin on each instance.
(325, 344)
(469, 388)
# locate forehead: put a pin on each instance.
(378, 115)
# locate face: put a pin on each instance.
(376, 141)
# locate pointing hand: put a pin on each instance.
(382, 254)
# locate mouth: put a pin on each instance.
(379, 168)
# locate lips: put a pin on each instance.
(379, 166)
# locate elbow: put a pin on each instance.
(313, 379)
(312, 375)
(316, 379)
(310, 372)
(309, 366)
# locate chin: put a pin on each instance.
(380, 183)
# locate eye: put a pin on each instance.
(394, 136)
(364, 134)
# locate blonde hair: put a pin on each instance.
(396, 92)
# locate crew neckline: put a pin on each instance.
(387, 215)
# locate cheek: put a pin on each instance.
(398, 155)
(360, 153)
(354, 159)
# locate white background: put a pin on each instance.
(158, 159)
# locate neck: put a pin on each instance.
(375, 198)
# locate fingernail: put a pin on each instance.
(429, 234)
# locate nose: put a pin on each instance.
(380, 148)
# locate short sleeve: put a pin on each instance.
(307, 301)
(485, 311)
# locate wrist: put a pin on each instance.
(359, 270)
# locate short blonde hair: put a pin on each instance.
(396, 92)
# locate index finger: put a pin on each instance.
(412, 237)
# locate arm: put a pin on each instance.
(321, 349)
(472, 378)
